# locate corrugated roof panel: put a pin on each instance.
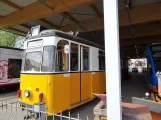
(5, 9)
(31, 23)
(21, 28)
(85, 9)
(83, 13)
(100, 6)
(66, 21)
(143, 2)
(38, 22)
(22, 3)
(57, 19)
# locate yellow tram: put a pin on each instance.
(60, 70)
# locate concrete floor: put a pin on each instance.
(135, 86)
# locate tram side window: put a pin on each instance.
(101, 60)
(14, 68)
(85, 58)
(62, 58)
(48, 59)
(74, 57)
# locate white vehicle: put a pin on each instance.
(10, 66)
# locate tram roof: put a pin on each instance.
(11, 48)
(62, 34)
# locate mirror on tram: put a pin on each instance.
(66, 49)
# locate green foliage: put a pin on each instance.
(7, 39)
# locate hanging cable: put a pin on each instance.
(44, 3)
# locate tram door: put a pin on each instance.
(80, 76)
(85, 73)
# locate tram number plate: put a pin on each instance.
(37, 89)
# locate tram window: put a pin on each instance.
(74, 57)
(14, 68)
(48, 59)
(62, 59)
(33, 61)
(85, 58)
(101, 60)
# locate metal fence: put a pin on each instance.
(12, 111)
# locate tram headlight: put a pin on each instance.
(27, 93)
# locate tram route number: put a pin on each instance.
(37, 89)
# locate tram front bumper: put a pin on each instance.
(34, 108)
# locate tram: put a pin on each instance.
(60, 70)
(10, 66)
(154, 69)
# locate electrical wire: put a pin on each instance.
(44, 3)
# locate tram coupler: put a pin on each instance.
(39, 110)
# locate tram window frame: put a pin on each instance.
(60, 67)
(50, 66)
(23, 60)
(101, 55)
(76, 68)
(84, 66)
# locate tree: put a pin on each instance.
(7, 39)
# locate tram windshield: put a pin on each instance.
(33, 61)
(37, 61)
(156, 52)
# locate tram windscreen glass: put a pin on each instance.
(157, 61)
(33, 61)
(48, 59)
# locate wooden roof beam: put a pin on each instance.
(49, 23)
(94, 7)
(141, 30)
(11, 4)
(132, 49)
(71, 18)
(146, 13)
(28, 12)
(1, 16)
(141, 41)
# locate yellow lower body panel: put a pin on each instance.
(74, 88)
(62, 91)
(86, 85)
